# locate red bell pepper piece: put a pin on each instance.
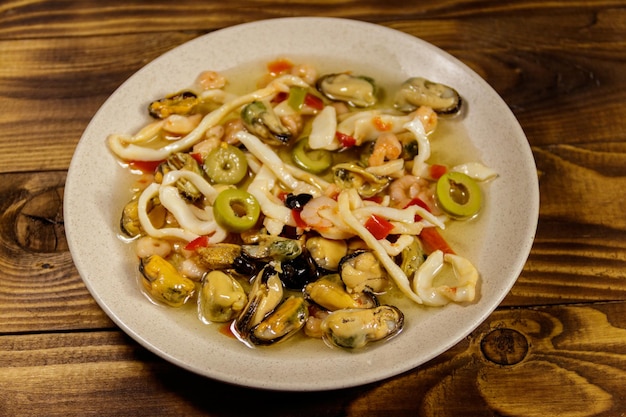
(147, 167)
(313, 101)
(346, 141)
(198, 157)
(379, 227)
(199, 242)
(436, 171)
(418, 202)
(279, 66)
(433, 241)
(299, 222)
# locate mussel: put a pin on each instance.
(356, 90)
(269, 247)
(221, 297)
(218, 255)
(330, 292)
(266, 293)
(182, 103)
(412, 257)
(355, 328)
(326, 252)
(130, 224)
(285, 321)
(350, 175)
(180, 161)
(164, 283)
(418, 91)
(260, 120)
(361, 271)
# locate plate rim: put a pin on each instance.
(224, 377)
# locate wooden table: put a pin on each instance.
(556, 345)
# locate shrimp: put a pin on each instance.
(210, 80)
(293, 123)
(148, 246)
(181, 125)
(406, 188)
(322, 215)
(231, 128)
(387, 147)
(428, 117)
(306, 72)
(213, 138)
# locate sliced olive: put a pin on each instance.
(226, 165)
(236, 210)
(458, 195)
(313, 160)
(297, 201)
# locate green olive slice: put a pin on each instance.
(314, 161)
(458, 195)
(226, 164)
(236, 210)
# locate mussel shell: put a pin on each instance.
(362, 271)
(164, 283)
(130, 224)
(180, 161)
(412, 257)
(129, 221)
(221, 297)
(266, 293)
(355, 328)
(273, 248)
(285, 321)
(182, 103)
(330, 293)
(218, 255)
(418, 91)
(260, 120)
(326, 253)
(350, 175)
(356, 90)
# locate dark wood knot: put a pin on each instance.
(504, 346)
(39, 224)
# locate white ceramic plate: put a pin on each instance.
(95, 193)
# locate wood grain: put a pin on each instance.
(53, 86)
(40, 289)
(557, 344)
(59, 373)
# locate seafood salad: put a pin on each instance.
(295, 207)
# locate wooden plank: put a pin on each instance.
(44, 18)
(581, 348)
(579, 250)
(40, 288)
(53, 86)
